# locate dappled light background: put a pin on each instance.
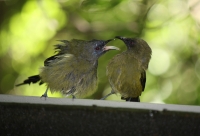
(29, 29)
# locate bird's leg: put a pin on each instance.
(73, 97)
(45, 93)
(112, 92)
(129, 99)
(72, 90)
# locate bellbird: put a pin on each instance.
(126, 71)
(73, 70)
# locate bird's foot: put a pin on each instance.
(73, 97)
(44, 95)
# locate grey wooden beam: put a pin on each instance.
(22, 115)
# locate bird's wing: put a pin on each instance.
(49, 60)
(58, 59)
(63, 47)
(60, 49)
(143, 79)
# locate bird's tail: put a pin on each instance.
(31, 79)
(131, 99)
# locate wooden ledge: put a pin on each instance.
(22, 115)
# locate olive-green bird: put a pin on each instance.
(126, 71)
(73, 70)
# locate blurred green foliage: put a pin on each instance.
(29, 29)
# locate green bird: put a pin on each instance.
(126, 71)
(73, 70)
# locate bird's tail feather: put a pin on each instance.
(31, 79)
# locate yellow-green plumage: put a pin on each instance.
(73, 70)
(126, 71)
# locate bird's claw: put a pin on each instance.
(44, 95)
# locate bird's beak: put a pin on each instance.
(119, 37)
(106, 48)
(109, 40)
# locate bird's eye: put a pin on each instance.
(97, 48)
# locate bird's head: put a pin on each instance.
(133, 43)
(136, 44)
(95, 48)
(99, 47)
(139, 48)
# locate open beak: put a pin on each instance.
(106, 48)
